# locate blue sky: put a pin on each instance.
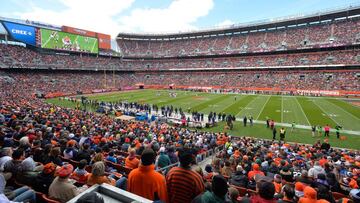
(157, 16)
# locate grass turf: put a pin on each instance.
(286, 109)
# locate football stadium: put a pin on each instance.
(265, 111)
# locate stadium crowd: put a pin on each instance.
(54, 152)
(59, 152)
(335, 33)
(10, 58)
(316, 80)
(17, 83)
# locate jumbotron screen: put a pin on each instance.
(52, 39)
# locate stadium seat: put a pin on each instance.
(48, 199)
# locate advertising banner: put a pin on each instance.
(104, 41)
(78, 31)
(22, 33)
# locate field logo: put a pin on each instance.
(22, 33)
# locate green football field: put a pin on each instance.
(51, 41)
(304, 111)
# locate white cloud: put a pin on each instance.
(102, 16)
(95, 16)
(225, 23)
(178, 16)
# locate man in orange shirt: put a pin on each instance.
(131, 161)
(145, 181)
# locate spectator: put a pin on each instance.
(218, 194)
(84, 153)
(80, 174)
(54, 156)
(315, 170)
(97, 176)
(45, 178)
(14, 166)
(6, 155)
(323, 192)
(111, 158)
(70, 152)
(163, 159)
(288, 194)
(256, 170)
(299, 189)
(28, 172)
(310, 195)
(131, 161)
(239, 178)
(183, 184)
(145, 181)
(265, 189)
(286, 174)
(226, 170)
(22, 194)
(61, 189)
(233, 195)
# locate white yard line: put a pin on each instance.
(247, 105)
(327, 113)
(238, 99)
(262, 109)
(302, 110)
(222, 110)
(342, 110)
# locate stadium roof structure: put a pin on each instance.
(343, 13)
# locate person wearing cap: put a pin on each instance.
(265, 189)
(163, 159)
(184, 184)
(145, 181)
(45, 178)
(61, 189)
(256, 170)
(131, 161)
(219, 189)
(299, 189)
(70, 152)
